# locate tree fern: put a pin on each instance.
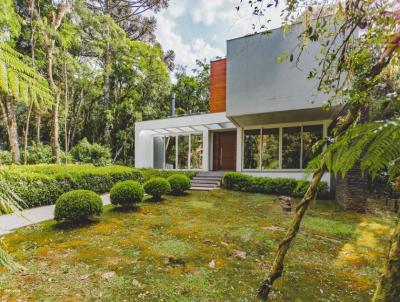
(374, 145)
(24, 83)
(9, 203)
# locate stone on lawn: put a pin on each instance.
(136, 283)
(211, 264)
(108, 275)
(241, 255)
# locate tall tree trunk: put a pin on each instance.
(54, 140)
(38, 126)
(29, 113)
(10, 119)
(388, 287)
(26, 133)
(55, 131)
(66, 113)
(50, 44)
(106, 90)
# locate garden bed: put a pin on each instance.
(38, 185)
(203, 246)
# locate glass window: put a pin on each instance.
(158, 155)
(183, 152)
(170, 152)
(252, 144)
(270, 149)
(311, 135)
(291, 148)
(196, 151)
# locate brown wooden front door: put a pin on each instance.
(224, 151)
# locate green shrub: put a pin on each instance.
(95, 154)
(126, 193)
(157, 187)
(280, 186)
(42, 154)
(5, 157)
(179, 183)
(149, 173)
(39, 185)
(79, 205)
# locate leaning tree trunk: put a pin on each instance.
(351, 117)
(294, 227)
(388, 288)
(10, 120)
(277, 267)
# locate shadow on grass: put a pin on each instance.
(155, 200)
(179, 194)
(122, 209)
(71, 225)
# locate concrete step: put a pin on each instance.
(204, 185)
(206, 181)
(208, 178)
(211, 173)
(202, 189)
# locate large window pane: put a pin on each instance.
(270, 149)
(311, 135)
(158, 155)
(196, 151)
(291, 148)
(252, 144)
(170, 152)
(183, 152)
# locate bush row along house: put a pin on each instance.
(265, 116)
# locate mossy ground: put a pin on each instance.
(167, 248)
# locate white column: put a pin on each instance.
(143, 149)
(206, 150)
(239, 149)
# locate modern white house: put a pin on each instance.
(265, 115)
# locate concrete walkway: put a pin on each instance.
(11, 222)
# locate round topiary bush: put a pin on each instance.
(78, 205)
(179, 183)
(157, 187)
(126, 193)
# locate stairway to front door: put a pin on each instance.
(207, 181)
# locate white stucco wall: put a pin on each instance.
(203, 123)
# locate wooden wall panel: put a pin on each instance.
(218, 86)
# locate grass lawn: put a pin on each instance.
(183, 249)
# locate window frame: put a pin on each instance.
(176, 150)
(323, 123)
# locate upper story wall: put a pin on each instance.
(218, 86)
(258, 83)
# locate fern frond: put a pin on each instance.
(20, 80)
(375, 145)
(9, 202)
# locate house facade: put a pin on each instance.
(265, 115)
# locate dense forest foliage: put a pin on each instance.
(105, 71)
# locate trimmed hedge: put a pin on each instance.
(157, 187)
(279, 186)
(78, 205)
(39, 185)
(126, 193)
(179, 183)
(149, 173)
